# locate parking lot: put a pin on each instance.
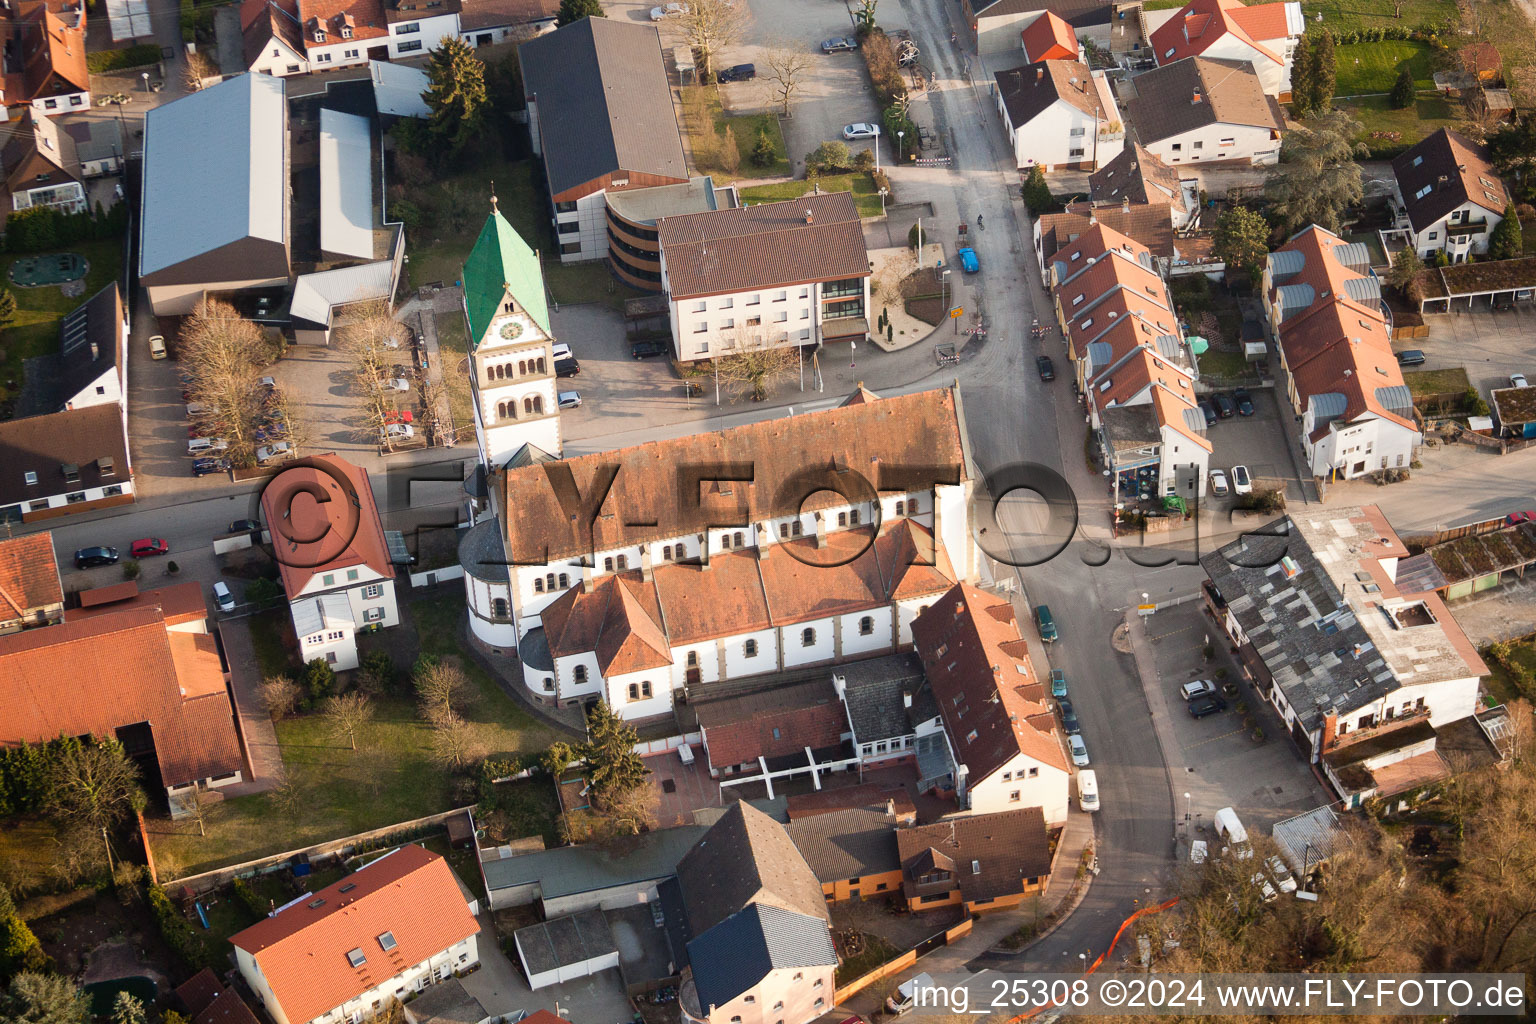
(1215, 759)
(1489, 344)
(1260, 442)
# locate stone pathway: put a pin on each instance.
(264, 757)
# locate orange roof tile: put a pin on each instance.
(772, 723)
(842, 577)
(961, 639)
(199, 672)
(326, 498)
(180, 603)
(911, 564)
(1049, 37)
(29, 575)
(364, 17)
(705, 603)
(1200, 23)
(302, 952)
(618, 621)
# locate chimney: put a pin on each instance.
(906, 698)
(1039, 74)
(809, 217)
(1330, 732)
(95, 351)
(821, 531)
(761, 532)
(1196, 98)
(586, 579)
(645, 565)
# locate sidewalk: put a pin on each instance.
(265, 759)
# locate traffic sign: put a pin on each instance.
(957, 313)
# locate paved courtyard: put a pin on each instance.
(1490, 344)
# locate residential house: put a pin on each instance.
(852, 852)
(125, 673)
(209, 1002)
(389, 930)
(761, 938)
(1059, 114)
(291, 37)
(997, 26)
(890, 708)
(778, 733)
(1148, 224)
(512, 361)
(31, 593)
(983, 862)
(98, 144)
(1263, 35)
(1328, 637)
(1448, 197)
(1049, 37)
(1004, 747)
(1137, 178)
(335, 562)
(41, 168)
(750, 580)
(66, 450)
(483, 22)
(45, 72)
(1324, 303)
(601, 118)
(214, 214)
(1203, 109)
(1132, 362)
(774, 274)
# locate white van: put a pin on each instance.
(1088, 790)
(1231, 829)
(902, 1000)
(222, 597)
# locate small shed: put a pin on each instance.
(461, 830)
(1514, 410)
(566, 948)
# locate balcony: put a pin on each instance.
(1466, 227)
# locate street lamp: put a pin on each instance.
(877, 148)
(883, 193)
(1186, 810)
(1083, 960)
(900, 137)
(145, 76)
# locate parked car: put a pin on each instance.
(1087, 791)
(272, 452)
(1410, 357)
(267, 434)
(666, 11)
(1242, 483)
(648, 348)
(840, 44)
(157, 347)
(203, 467)
(1218, 483)
(1280, 873)
(1517, 380)
(1209, 411)
(1046, 368)
(1045, 623)
(968, 261)
(206, 445)
(1207, 705)
(1244, 402)
(244, 526)
(396, 432)
(222, 597)
(739, 73)
(1516, 518)
(860, 130)
(148, 546)
(1224, 407)
(1069, 722)
(1079, 750)
(1058, 683)
(1197, 688)
(570, 399)
(567, 367)
(561, 351)
(90, 558)
(395, 384)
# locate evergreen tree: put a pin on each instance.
(127, 1009)
(1317, 177)
(1037, 194)
(762, 151)
(7, 307)
(1325, 73)
(44, 999)
(575, 10)
(1402, 89)
(455, 93)
(1302, 76)
(1242, 240)
(1505, 242)
(613, 767)
(1406, 267)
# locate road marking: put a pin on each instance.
(1213, 739)
(1173, 632)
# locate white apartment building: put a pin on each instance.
(293, 37)
(1059, 114)
(770, 275)
(1448, 197)
(1204, 110)
(1262, 35)
(389, 930)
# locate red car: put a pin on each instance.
(399, 416)
(1515, 518)
(148, 546)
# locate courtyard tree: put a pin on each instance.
(1324, 72)
(1406, 268)
(37, 998)
(456, 743)
(198, 70)
(1242, 240)
(613, 768)
(710, 26)
(575, 10)
(221, 352)
(787, 64)
(1317, 177)
(94, 785)
(558, 759)
(1303, 74)
(865, 15)
(127, 1009)
(1505, 241)
(1037, 194)
(754, 366)
(442, 689)
(1402, 89)
(455, 94)
(347, 714)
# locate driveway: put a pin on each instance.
(1490, 344)
(501, 988)
(619, 393)
(1261, 442)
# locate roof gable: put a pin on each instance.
(746, 858)
(29, 575)
(502, 262)
(327, 498)
(1443, 172)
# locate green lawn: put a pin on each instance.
(1343, 15)
(1428, 115)
(865, 196)
(268, 630)
(389, 778)
(1436, 382)
(439, 247)
(1373, 67)
(452, 347)
(587, 282)
(704, 121)
(35, 331)
(1215, 363)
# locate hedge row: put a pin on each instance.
(178, 933)
(1423, 33)
(884, 72)
(135, 56)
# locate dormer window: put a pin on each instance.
(346, 32)
(71, 472)
(319, 35)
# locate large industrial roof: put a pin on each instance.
(346, 185)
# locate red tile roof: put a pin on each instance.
(226, 1008)
(988, 855)
(366, 19)
(180, 603)
(94, 674)
(327, 498)
(1049, 37)
(773, 723)
(302, 952)
(29, 575)
(975, 660)
(618, 621)
(199, 991)
(1200, 23)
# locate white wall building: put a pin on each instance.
(1261, 35)
(1448, 197)
(1059, 114)
(1202, 110)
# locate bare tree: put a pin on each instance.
(347, 714)
(787, 64)
(443, 690)
(753, 365)
(288, 795)
(279, 695)
(222, 353)
(456, 743)
(198, 70)
(710, 26)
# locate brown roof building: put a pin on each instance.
(124, 674)
(985, 861)
(771, 725)
(45, 57)
(1059, 113)
(1204, 110)
(31, 593)
(64, 462)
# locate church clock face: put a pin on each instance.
(511, 330)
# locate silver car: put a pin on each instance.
(570, 399)
(1079, 750)
(860, 130)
